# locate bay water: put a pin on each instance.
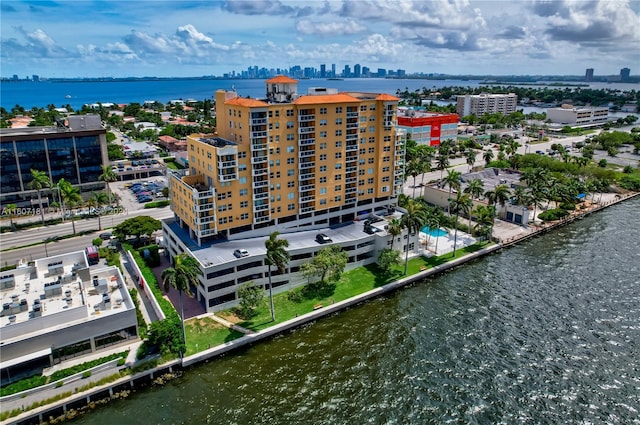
(546, 332)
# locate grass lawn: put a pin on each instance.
(351, 283)
(205, 333)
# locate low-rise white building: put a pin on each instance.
(57, 308)
(568, 115)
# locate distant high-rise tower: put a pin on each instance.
(333, 69)
(588, 76)
(624, 74)
(356, 70)
(323, 71)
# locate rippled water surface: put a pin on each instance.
(545, 332)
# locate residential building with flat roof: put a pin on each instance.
(74, 152)
(57, 307)
(485, 103)
(428, 128)
(287, 163)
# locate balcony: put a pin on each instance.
(351, 200)
(227, 177)
(305, 130)
(258, 159)
(307, 142)
(307, 153)
(261, 219)
(258, 146)
(260, 207)
(227, 164)
(258, 134)
(307, 199)
(260, 183)
(204, 207)
(259, 172)
(305, 118)
(306, 188)
(351, 169)
(352, 115)
(307, 209)
(259, 121)
(352, 147)
(310, 164)
(351, 190)
(306, 175)
(350, 180)
(261, 195)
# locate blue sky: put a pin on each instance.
(120, 38)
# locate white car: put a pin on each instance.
(241, 253)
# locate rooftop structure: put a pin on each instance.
(59, 307)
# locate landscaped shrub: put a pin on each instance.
(150, 255)
(568, 206)
(630, 182)
(554, 214)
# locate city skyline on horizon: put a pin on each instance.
(194, 38)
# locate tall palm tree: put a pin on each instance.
(412, 220)
(276, 256)
(97, 200)
(39, 181)
(484, 220)
(107, 176)
(471, 158)
(499, 195)
(70, 196)
(395, 229)
(462, 204)
(475, 188)
(453, 181)
(442, 162)
(413, 169)
(184, 274)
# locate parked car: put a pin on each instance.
(241, 253)
(105, 236)
(145, 199)
(322, 238)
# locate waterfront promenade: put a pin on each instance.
(507, 234)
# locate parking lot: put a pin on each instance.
(146, 190)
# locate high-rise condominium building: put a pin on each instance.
(624, 74)
(588, 76)
(480, 104)
(289, 161)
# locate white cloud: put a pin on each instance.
(329, 29)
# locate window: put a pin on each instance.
(338, 166)
(323, 122)
(323, 145)
(362, 151)
(291, 184)
(386, 159)
(291, 149)
(244, 216)
(372, 139)
(291, 207)
(291, 195)
(372, 129)
(338, 155)
(244, 192)
(323, 134)
(385, 188)
(244, 204)
(242, 155)
(323, 168)
(338, 132)
(369, 191)
(338, 177)
(337, 188)
(323, 111)
(370, 180)
(338, 144)
(372, 107)
(372, 150)
(370, 170)
(277, 113)
(289, 112)
(338, 121)
(361, 172)
(242, 180)
(338, 198)
(323, 157)
(290, 160)
(360, 182)
(339, 110)
(323, 190)
(371, 160)
(323, 201)
(291, 173)
(385, 169)
(242, 167)
(323, 179)
(385, 179)
(290, 137)
(289, 124)
(387, 149)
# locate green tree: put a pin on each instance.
(39, 181)
(182, 276)
(471, 158)
(328, 264)
(412, 220)
(388, 258)
(108, 176)
(97, 242)
(475, 188)
(395, 229)
(488, 156)
(250, 298)
(70, 197)
(139, 226)
(276, 256)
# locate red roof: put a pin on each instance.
(281, 79)
(385, 96)
(243, 101)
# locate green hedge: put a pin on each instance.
(157, 204)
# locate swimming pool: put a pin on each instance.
(435, 232)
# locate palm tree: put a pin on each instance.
(70, 196)
(39, 181)
(484, 220)
(453, 181)
(97, 200)
(184, 274)
(276, 256)
(11, 209)
(108, 176)
(471, 158)
(487, 156)
(442, 162)
(412, 220)
(461, 204)
(395, 229)
(475, 188)
(413, 169)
